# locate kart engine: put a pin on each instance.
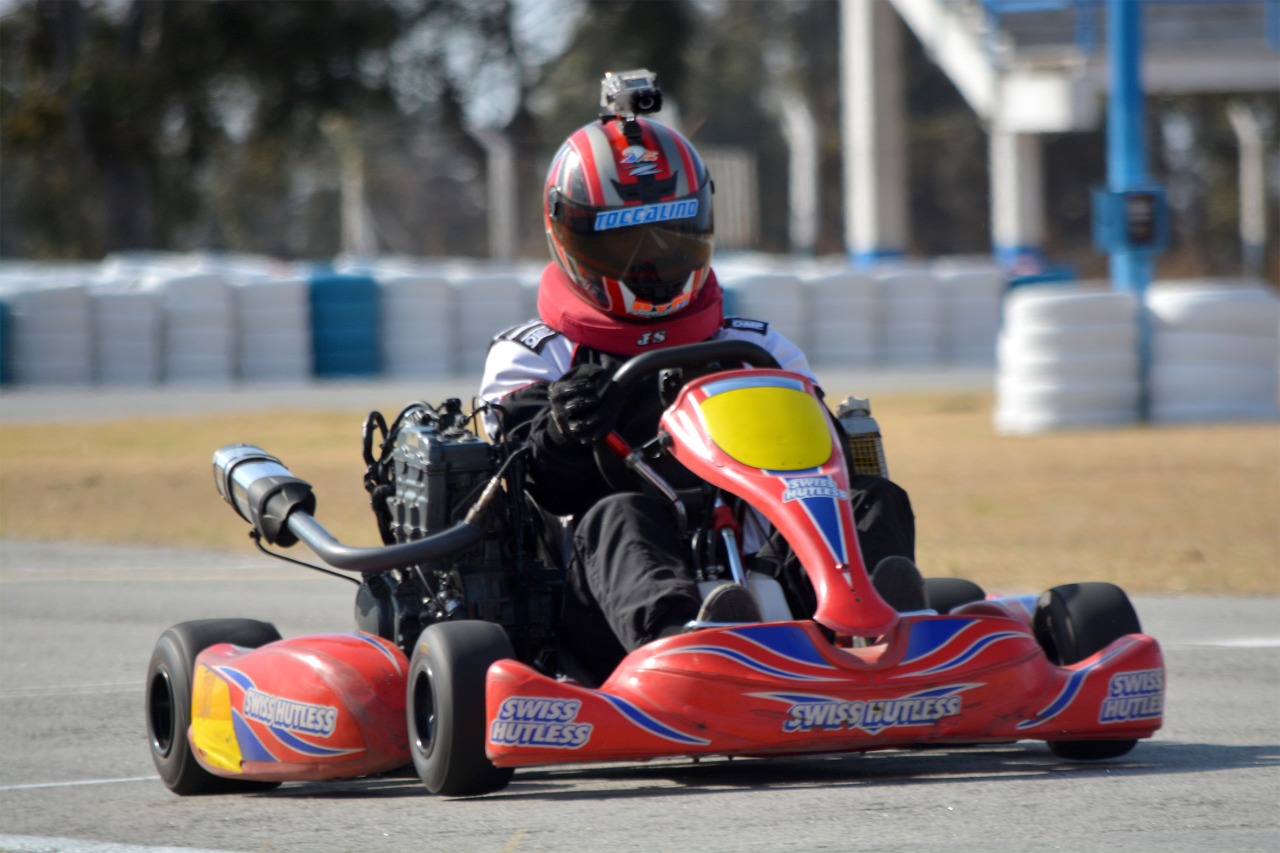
(431, 469)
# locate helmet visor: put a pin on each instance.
(653, 249)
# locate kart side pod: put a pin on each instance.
(325, 706)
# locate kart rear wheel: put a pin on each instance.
(168, 703)
(946, 594)
(1071, 623)
(446, 707)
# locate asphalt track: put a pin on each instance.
(77, 624)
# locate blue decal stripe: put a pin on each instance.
(737, 383)
(649, 724)
(826, 518)
(970, 653)
(796, 698)
(1059, 704)
(385, 652)
(1068, 694)
(930, 635)
(296, 743)
(949, 690)
(749, 662)
(251, 748)
(784, 641)
(241, 680)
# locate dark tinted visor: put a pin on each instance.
(652, 248)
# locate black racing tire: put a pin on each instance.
(168, 702)
(445, 704)
(1071, 623)
(946, 594)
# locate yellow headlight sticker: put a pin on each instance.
(212, 729)
(770, 423)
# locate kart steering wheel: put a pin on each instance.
(646, 366)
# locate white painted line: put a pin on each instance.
(75, 784)
(1242, 643)
(41, 844)
(72, 690)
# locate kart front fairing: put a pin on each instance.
(765, 436)
(888, 679)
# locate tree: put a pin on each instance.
(121, 128)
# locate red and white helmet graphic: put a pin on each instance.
(628, 217)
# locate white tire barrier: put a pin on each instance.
(51, 334)
(199, 328)
(483, 306)
(1236, 309)
(1065, 306)
(273, 324)
(971, 300)
(127, 333)
(841, 319)
(908, 317)
(417, 325)
(778, 299)
(1215, 352)
(1036, 341)
(1178, 347)
(1067, 358)
(1067, 355)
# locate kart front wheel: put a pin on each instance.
(446, 707)
(169, 680)
(1073, 622)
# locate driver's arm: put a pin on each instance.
(562, 474)
(563, 477)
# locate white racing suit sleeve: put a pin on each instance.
(512, 364)
(789, 356)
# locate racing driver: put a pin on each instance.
(628, 214)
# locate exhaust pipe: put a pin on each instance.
(281, 507)
(261, 490)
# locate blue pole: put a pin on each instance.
(1127, 154)
(1126, 137)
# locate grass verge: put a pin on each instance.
(1168, 509)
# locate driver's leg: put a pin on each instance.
(630, 568)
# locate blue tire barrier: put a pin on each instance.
(344, 325)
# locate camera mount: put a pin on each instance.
(628, 94)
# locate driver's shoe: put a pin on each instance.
(900, 584)
(730, 602)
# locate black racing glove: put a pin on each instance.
(577, 412)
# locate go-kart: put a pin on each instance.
(455, 667)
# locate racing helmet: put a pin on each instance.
(627, 209)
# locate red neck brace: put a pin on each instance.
(563, 310)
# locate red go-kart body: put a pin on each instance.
(856, 676)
